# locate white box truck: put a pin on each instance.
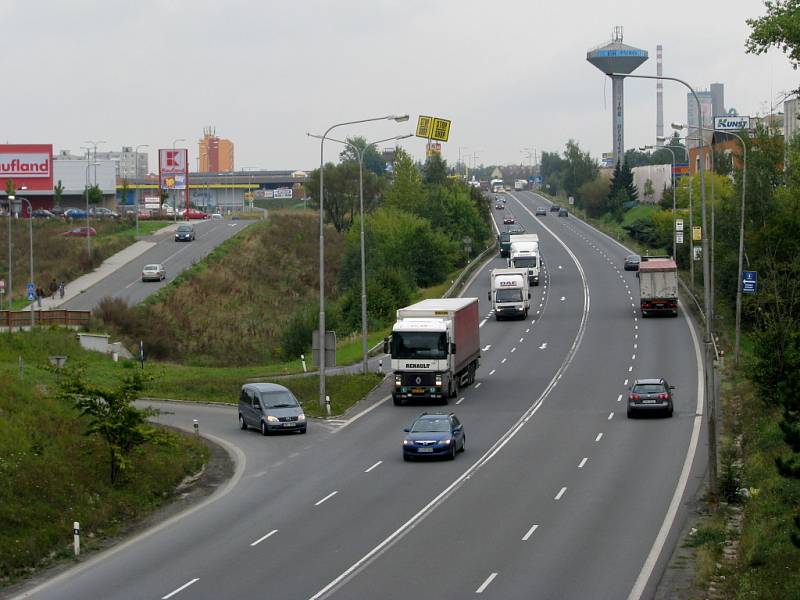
(509, 293)
(435, 348)
(524, 254)
(658, 286)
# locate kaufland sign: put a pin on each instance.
(731, 123)
(27, 165)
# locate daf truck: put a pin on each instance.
(524, 254)
(658, 286)
(435, 349)
(509, 293)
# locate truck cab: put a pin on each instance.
(509, 293)
(524, 254)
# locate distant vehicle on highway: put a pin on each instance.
(508, 220)
(80, 232)
(154, 272)
(499, 205)
(650, 395)
(42, 213)
(541, 211)
(193, 213)
(658, 286)
(184, 233)
(632, 262)
(434, 434)
(217, 215)
(555, 208)
(270, 407)
(100, 212)
(562, 212)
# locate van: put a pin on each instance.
(270, 407)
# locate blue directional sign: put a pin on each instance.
(749, 282)
(31, 292)
(535, 179)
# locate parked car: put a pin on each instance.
(100, 212)
(217, 215)
(80, 232)
(72, 214)
(154, 272)
(434, 434)
(270, 407)
(42, 213)
(58, 211)
(193, 213)
(650, 395)
(184, 233)
(632, 262)
(562, 212)
(555, 208)
(541, 211)
(508, 220)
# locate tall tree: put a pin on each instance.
(435, 170)
(342, 192)
(578, 167)
(373, 161)
(406, 191)
(58, 193)
(780, 27)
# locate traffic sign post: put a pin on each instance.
(678, 237)
(31, 292)
(678, 224)
(749, 282)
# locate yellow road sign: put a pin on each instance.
(433, 128)
(697, 233)
(424, 126)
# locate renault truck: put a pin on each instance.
(658, 286)
(435, 349)
(509, 293)
(524, 254)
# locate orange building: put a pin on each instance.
(216, 155)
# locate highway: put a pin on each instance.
(126, 282)
(558, 494)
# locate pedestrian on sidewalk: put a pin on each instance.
(53, 287)
(39, 296)
(61, 288)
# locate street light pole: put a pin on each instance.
(136, 193)
(672, 178)
(397, 118)
(708, 363)
(175, 195)
(30, 234)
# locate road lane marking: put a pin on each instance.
(633, 357)
(262, 538)
(560, 493)
(482, 323)
(611, 415)
(486, 583)
(543, 346)
(514, 349)
(180, 589)
(373, 466)
(328, 497)
(583, 462)
(492, 371)
(527, 536)
(619, 398)
(563, 298)
(630, 368)
(521, 339)
(625, 382)
(599, 437)
(527, 331)
(635, 346)
(487, 347)
(477, 385)
(503, 361)
(460, 400)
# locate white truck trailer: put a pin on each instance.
(524, 254)
(509, 293)
(435, 348)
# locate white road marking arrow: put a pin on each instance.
(563, 298)
(543, 346)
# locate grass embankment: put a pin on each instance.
(52, 474)
(62, 258)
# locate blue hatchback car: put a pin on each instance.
(434, 434)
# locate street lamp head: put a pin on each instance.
(678, 126)
(402, 137)
(661, 138)
(398, 118)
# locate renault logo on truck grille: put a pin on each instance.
(419, 380)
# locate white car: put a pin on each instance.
(217, 215)
(154, 273)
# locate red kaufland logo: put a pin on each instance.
(25, 165)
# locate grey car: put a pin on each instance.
(650, 395)
(270, 407)
(184, 233)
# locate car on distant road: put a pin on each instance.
(184, 233)
(101, 212)
(154, 272)
(555, 208)
(42, 213)
(515, 229)
(632, 262)
(434, 434)
(499, 205)
(562, 212)
(508, 220)
(541, 211)
(80, 232)
(217, 215)
(74, 213)
(650, 395)
(270, 408)
(193, 213)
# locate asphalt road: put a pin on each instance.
(126, 282)
(558, 494)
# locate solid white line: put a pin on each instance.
(527, 536)
(460, 400)
(611, 416)
(328, 497)
(364, 412)
(583, 462)
(373, 466)
(492, 372)
(262, 538)
(560, 493)
(619, 398)
(180, 589)
(486, 583)
(599, 437)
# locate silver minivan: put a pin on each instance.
(270, 407)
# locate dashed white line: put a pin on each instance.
(626, 382)
(492, 371)
(263, 537)
(527, 331)
(611, 415)
(630, 368)
(460, 400)
(543, 346)
(373, 466)
(503, 361)
(619, 398)
(486, 583)
(527, 536)
(563, 298)
(328, 497)
(487, 347)
(180, 589)
(477, 385)
(560, 493)
(583, 462)
(521, 339)
(514, 349)
(635, 346)
(482, 323)
(599, 437)
(633, 357)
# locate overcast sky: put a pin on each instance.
(510, 74)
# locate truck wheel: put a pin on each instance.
(397, 401)
(471, 379)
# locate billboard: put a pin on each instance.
(28, 165)
(173, 168)
(433, 128)
(282, 193)
(731, 123)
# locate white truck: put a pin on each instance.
(520, 184)
(496, 186)
(524, 254)
(509, 293)
(435, 348)
(658, 286)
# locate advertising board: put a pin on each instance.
(27, 165)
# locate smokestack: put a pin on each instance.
(659, 99)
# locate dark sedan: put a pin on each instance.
(632, 262)
(42, 213)
(434, 434)
(650, 395)
(508, 220)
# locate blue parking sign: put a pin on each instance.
(749, 282)
(31, 292)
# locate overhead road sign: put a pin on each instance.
(433, 128)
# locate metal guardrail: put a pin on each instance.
(687, 291)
